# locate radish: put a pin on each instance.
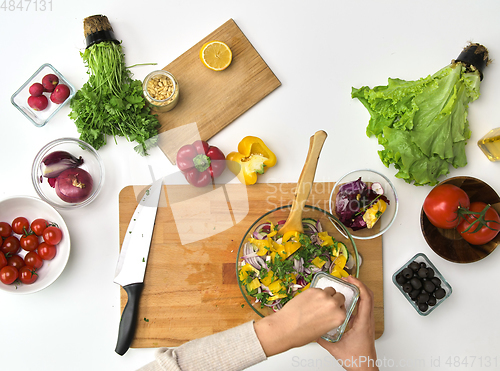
(60, 94)
(49, 82)
(36, 89)
(38, 103)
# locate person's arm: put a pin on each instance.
(357, 344)
(310, 314)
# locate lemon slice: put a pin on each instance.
(216, 55)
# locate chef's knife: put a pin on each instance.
(132, 262)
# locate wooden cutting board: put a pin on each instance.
(211, 100)
(190, 288)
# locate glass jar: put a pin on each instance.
(161, 90)
(490, 144)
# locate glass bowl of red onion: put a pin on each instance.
(67, 173)
(273, 268)
(366, 202)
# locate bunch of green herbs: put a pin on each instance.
(111, 101)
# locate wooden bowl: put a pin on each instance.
(448, 243)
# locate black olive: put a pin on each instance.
(414, 266)
(429, 286)
(422, 265)
(407, 273)
(414, 294)
(436, 281)
(430, 272)
(422, 272)
(407, 287)
(422, 298)
(400, 279)
(423, 307)
(432, 301)
(440, 293)
(415, 282)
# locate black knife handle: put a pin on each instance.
(128, 322)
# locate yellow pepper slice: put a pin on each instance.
(263, 245)
(253, 158)
(253, 285)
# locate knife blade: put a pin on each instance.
(132, 262)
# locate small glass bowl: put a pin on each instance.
(279, 215)
(20, 98)
(387, 218)
(422, 258)
(92, 164)
(151, 82)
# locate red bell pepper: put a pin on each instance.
(200, 163)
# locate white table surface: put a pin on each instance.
(319, 50)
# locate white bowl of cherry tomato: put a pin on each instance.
(35, 244)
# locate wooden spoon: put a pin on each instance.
(304, 186)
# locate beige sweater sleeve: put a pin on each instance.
(231, 350)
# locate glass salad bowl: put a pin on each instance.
(272, 269)
(369, 207)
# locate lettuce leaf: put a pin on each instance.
(422, 124)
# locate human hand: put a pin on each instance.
(302, 320)
(359, 341)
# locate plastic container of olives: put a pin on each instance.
(422, 284)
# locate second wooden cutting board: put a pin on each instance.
(211, 100)
(191, 288)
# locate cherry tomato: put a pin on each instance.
(16, 261)
(3, 260)
(52, 235)
(46, 251)
(20, 224)
(27, 275)
(484, 234)
(11, 245)
(5, 229)
(442, 203)
(29, 242)
(32, 259)
(38, 226)
(8, 274)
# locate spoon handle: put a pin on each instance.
(305, 183)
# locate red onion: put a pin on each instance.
(56, 162)
(74, 185)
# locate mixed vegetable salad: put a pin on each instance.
(274, 268)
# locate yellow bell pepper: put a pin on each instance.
(255, 284)
(253, 158)
(263, 245)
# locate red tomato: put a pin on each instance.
(52, 235)
(46, 251)
(27, 275)
(11, 245)
(32, 259)
(29, 242)
(3, 260)
(20, 224)
(38, 226)
(442, 203)
(8, 274)
(16, 261)
(5, 229)
(484, 234)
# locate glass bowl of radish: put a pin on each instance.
(366, 202)
(272, 268)
(67, 173)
